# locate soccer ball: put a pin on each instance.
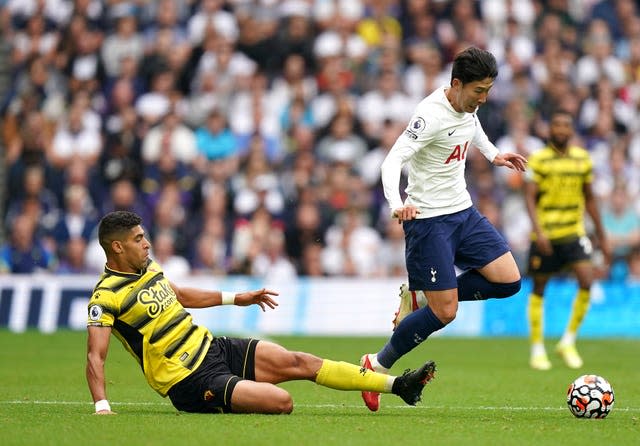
(590, 396)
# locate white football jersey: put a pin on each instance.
(435, 146)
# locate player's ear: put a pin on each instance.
(117, 247)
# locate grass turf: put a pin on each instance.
(484, 394)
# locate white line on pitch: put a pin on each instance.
(318, 406)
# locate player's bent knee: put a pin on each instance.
(282, 403)
(447, 317)
(502, 290)
(445, 314)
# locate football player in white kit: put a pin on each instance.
(443, 230)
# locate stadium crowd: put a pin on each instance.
(248, 134)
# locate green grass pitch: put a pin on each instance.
(484, 394)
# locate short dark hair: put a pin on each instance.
(562, 112)
(474, 64)
(116, 223)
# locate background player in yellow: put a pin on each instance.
(200, 372)
(558, 191)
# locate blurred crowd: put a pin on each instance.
(249, 133)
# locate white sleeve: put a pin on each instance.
(416, 136)
(391, 168)
(481, 141)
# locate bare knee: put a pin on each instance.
(282, 403)
(444, 304)
(446, 316)
(253, 397)
(446, 313)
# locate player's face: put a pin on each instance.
(560, 130)
(468, 97)
(136, 249)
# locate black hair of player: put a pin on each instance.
(474, 64)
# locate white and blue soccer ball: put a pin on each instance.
(590, 396)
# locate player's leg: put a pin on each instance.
(490, 269)
(275, 364)
(567, 346)
(412, 331)
(498, 279)
(257, 397)
(429, 259)
(538, 358)
(541, 268)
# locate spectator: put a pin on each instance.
(126, 41)
(252, 114)
(78, 219)
(215, 140)
(171, 138)
(36, 196)
(598, 60)
(34, 40)
(343, 143)
(633, 264)
(392, 250)
(621, 223)
(425, 72)
(305, 229)
(100, 78)
(25, 252)
(272, 263)
(211, 14)
(352, 247)
(385, 102)
(73, 257)
(294, 37)
(75, 140)
(164, 253)
(311, 264)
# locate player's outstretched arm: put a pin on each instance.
(197, 298)
(262, 297)
(97, 348)
(513, 161)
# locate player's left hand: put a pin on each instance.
(513, 161)
(259, 297)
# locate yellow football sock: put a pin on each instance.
(536, 318)
(344, 376)
(580, 308)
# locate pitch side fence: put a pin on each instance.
(326, 307)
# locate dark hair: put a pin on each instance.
(115, 223)
(474, 64)
(561, 112)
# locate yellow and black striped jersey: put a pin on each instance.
(145, 315)
(560, 202)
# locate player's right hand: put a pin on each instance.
(408, 212)
(544, 246)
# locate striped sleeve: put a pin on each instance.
(102, 310)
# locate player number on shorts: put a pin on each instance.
(586, 244)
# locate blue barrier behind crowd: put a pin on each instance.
(328, 307)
